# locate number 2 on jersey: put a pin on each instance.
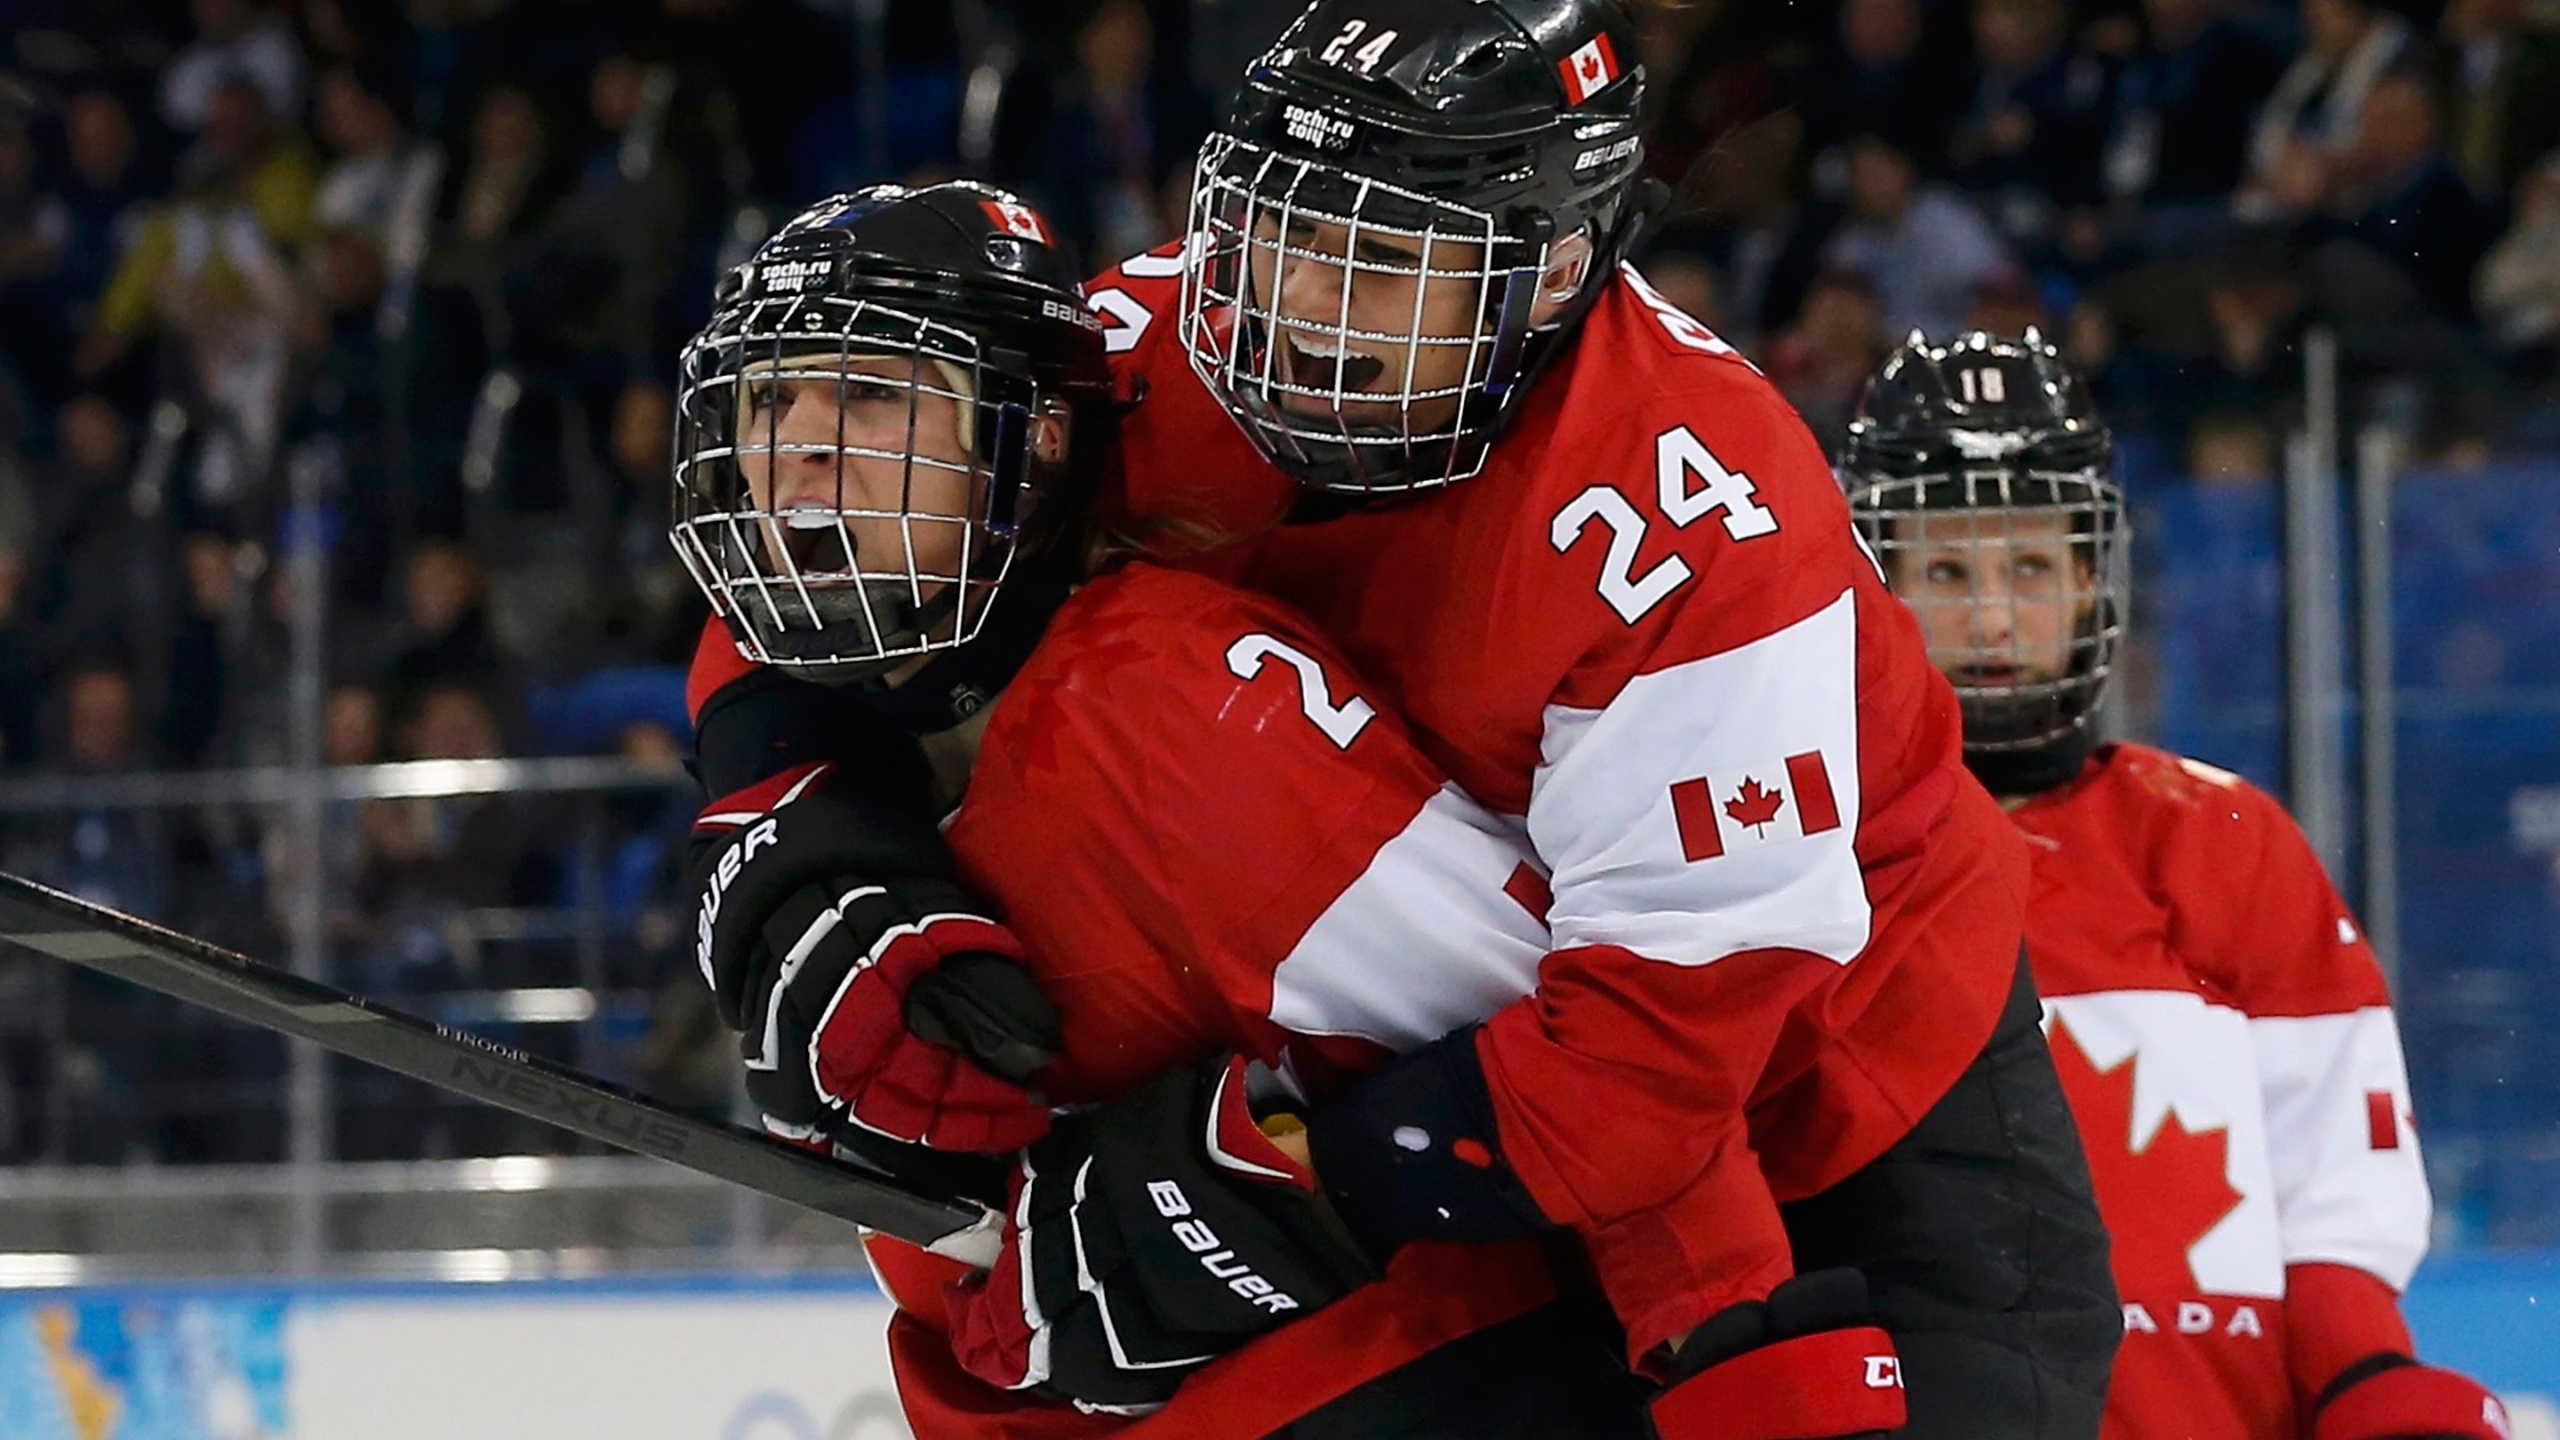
(1341, 723)
(1691, 483)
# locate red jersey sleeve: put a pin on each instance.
(1751, 798)
(2254, 912)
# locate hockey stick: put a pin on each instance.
(925, 1208)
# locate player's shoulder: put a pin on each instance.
(1152, 681)
(1656, 330)
(1160, 638)
(1164, 607)
(1667, 472)
(1653, 395)
(2147, 777)
(1137, 299)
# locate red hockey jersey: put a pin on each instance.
(1784, 916)
(2223, 1034)
(1207, 834)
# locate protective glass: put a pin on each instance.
(846, 474)
(2018, 580)
(1364, 334)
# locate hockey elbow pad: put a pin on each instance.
(1411, 1153)
(1808, 1363)
(2394, 1397)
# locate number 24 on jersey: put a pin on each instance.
(1692, 484)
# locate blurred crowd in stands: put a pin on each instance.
(400, 285)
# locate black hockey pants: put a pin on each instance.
(1980, 1240)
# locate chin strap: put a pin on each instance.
(958, 683)
(2032, 772)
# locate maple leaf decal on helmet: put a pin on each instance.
(1755, 807)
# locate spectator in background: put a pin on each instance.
(113, 856)
(104, 199)
(2177, 143)
(210, 270)
(2398, 193)
(359, 32)
(587, 293)
(424, 858)
(2317, 108)
(2498, 86)
(655, 612)
(34, 227)
(347, 414)
(95, 574)
(204, 629)
(510, 148)
(235, 40)
(379, 182)
(1123, 124)
(445, 639)
(2518, 289)
(1881, 81)
(1921, 246)
(492, 201)
(2028, 145)
(1822, 362)
(351, 733)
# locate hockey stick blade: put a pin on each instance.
(47, 922)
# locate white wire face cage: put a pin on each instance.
(837, 486)
(1367, 337)
(2019, 581)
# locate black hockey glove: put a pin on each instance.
(1411, 1153)
(1146, 1238)
(869, 992)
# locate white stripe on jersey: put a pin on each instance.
(1424, 941)
(1601, 809)
(2350, 1186)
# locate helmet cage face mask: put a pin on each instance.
(2042, 562)
(861, 577)
(1427, 416)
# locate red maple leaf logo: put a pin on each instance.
(1754, 807)
(2158, 1200)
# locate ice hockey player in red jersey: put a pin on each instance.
(1604, 573)
(2218, 1020)
(1201, 833)
(1778, 1025)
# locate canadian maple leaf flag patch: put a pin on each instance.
(1715, 813)
(1589, 70)
(1018, 220)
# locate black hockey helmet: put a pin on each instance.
(868, 427)
(1992, 444)
(1389, 148)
